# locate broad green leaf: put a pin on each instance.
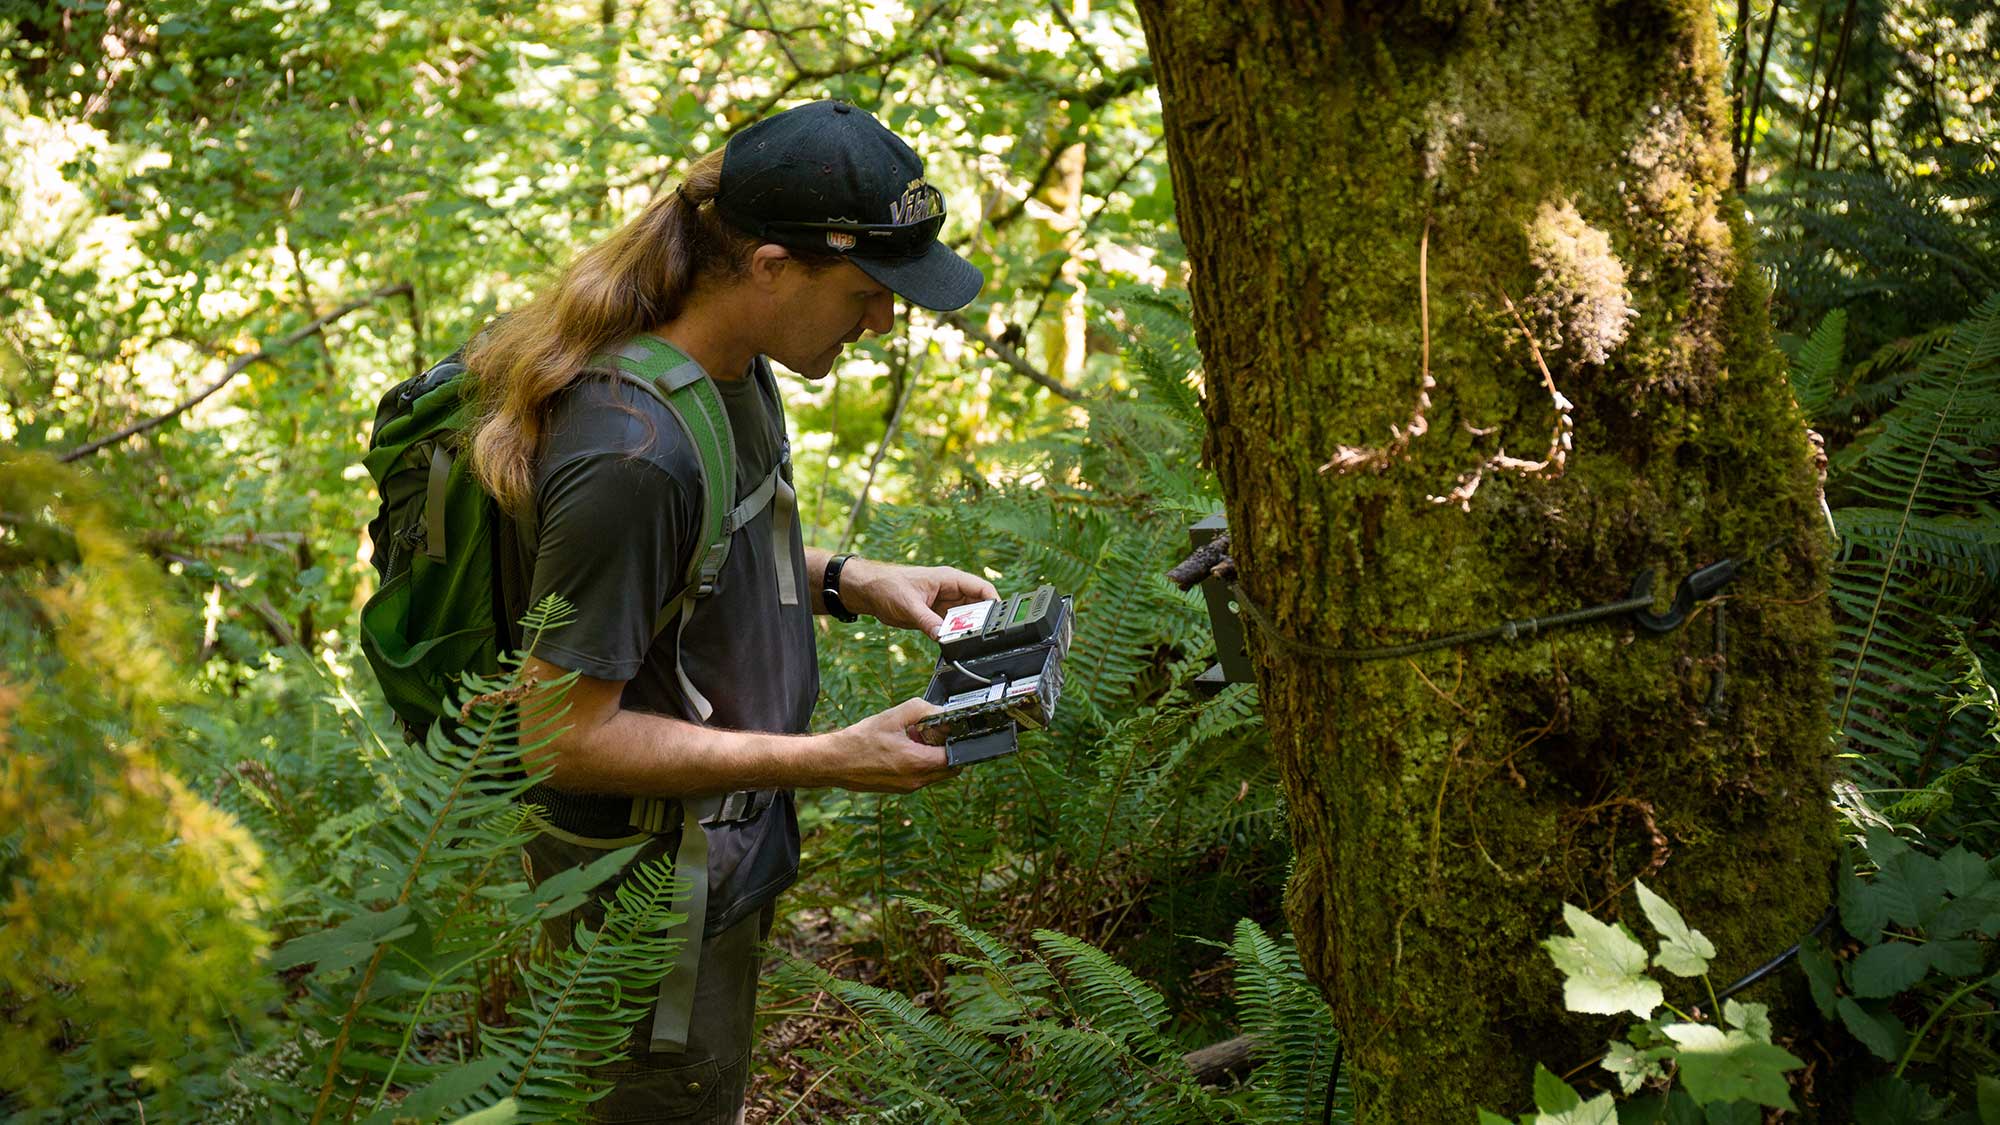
(1552, 1094)
(1913, 888)
(1719, 1066)
(1734, 1113)
(1600, 1110)
(1878, 1029)
(1890, 1100)
(1672, 1108)
(1989, 1100)
(1887, 969)
(1864, 909)
(1821, 975)
(1603, 967)
(1958, 958)
(1964, 872)
(1684, 950)
(1488, 1117)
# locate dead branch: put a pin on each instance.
(1008, 356)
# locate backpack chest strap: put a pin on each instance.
(775, 492)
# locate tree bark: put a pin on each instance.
(1530, 206)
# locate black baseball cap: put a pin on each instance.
(827, 176)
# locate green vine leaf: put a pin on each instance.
(1877, 1029)
(1600, 1110)
(1753, 1020)
(1552, 1094)
(1964, 873)
(1719, 1066)
(1603, 967)
(1633, 1066)
(1887, 969)
(1684, 950)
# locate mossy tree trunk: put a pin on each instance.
(1364, 192)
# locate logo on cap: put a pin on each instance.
(839, 240)
(919, 201)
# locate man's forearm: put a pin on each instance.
(816, 558)
(637, 754)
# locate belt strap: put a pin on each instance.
(675, 1008)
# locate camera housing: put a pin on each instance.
(999, 669)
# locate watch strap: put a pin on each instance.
(829, 592)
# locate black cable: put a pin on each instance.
(1506, 630)
(1771, 966)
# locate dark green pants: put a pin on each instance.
(705, 1084)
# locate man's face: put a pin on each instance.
(820, 312)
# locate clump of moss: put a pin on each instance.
(1580, 304)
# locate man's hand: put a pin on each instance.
(878, 754)
(909, 597)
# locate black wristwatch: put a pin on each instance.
(829, 590)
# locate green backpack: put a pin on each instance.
(445, 552)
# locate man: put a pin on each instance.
(789, 244)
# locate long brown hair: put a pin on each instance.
(638, 278)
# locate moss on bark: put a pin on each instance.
(1445, 806)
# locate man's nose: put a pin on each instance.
(880, 316)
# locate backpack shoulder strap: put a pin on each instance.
(680, 384)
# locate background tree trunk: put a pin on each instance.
(1570, 159)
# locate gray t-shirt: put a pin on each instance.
(615, 522)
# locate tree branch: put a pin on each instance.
(235, 368)
(1008, 356)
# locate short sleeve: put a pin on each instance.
(613, 532)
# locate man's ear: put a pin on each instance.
(768, 264)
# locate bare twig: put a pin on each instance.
(1009, 356)
(234, 369)
(881, 451)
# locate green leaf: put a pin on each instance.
(1913, 888)
(1964, 872)
(1890, 1100)
(1887, 969)
(1672, 1108)
(1552, 1094)
(1600, 1110)
(1958, 958)
(1488, 1117)
(499, 1113)
(1989, 1100)
(1878, 1030)
(1734, 1113)
(1752, 1019)
(1633, 1066)
(1684, 950)
(1719, 1066)
(1864, 910)
(1821, 975)
(1603, 967)
(449, 1088)
(344, 945)
(566, 890)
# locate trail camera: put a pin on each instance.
(1232, 665)
(999, 669)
